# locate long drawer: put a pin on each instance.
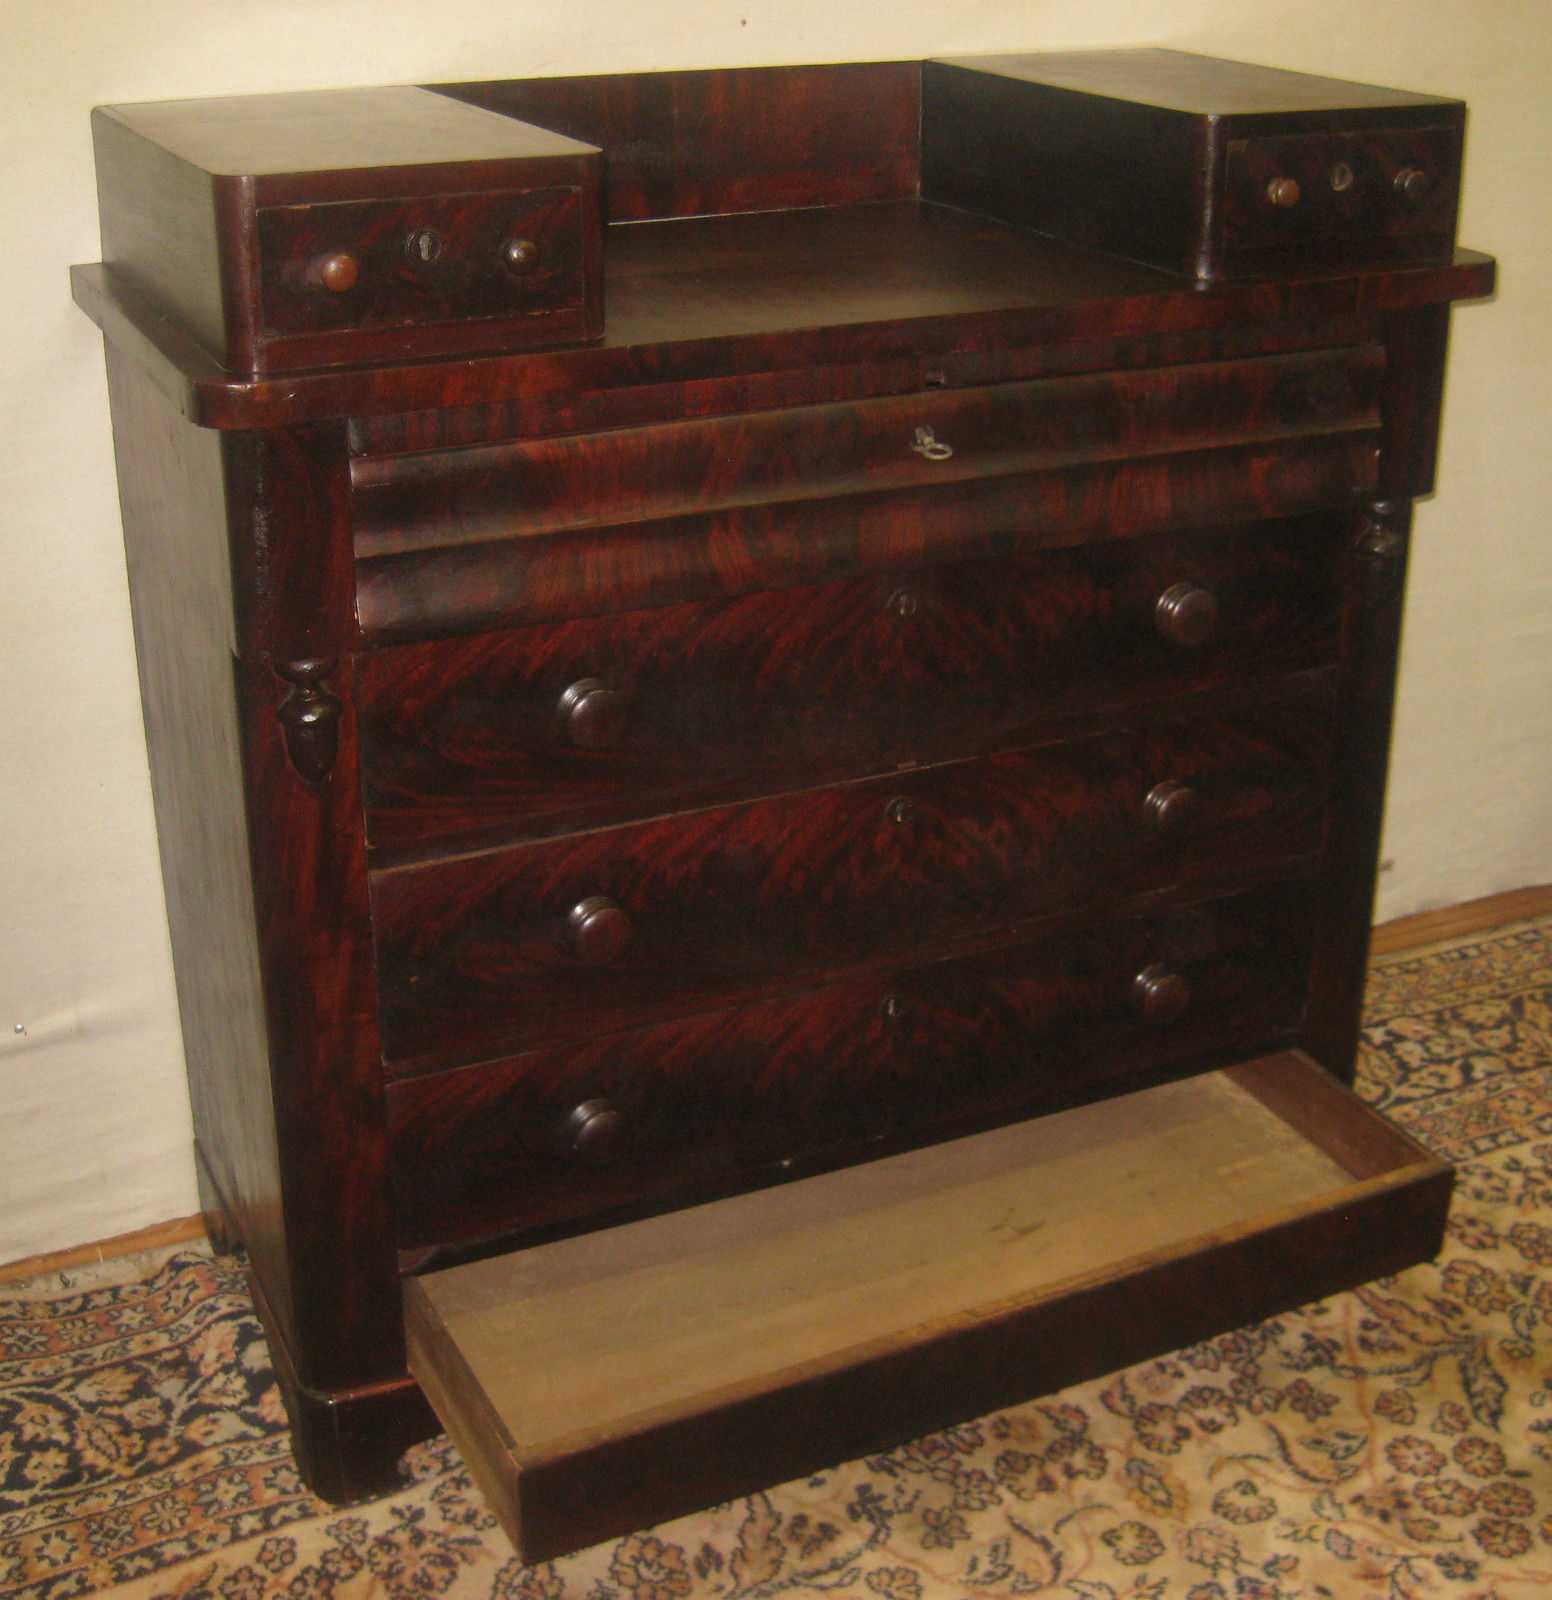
(893, 1057)
(498, 951)
(627, 475)
(596, 720)
(463, 541)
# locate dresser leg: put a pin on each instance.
(347, 1444)
(348, 1447)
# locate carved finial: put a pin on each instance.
(310, 716)
(1381, 548)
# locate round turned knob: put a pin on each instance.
(904, 603)
(1283, 192)
(1160, 995)
(599, 930)
(1171, 806)
(337, 271)
(592, 714)
(901, 811)
(593, 1129)
(892, 1008)
(519, 255)
(1412, 184)
(1187, 614)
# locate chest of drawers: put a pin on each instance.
(719, 832)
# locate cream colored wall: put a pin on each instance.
(93, 1119)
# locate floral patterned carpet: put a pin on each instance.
(1395, 1443)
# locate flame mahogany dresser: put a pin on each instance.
(768, 695)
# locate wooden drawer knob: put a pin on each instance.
(1160, 995)
(519, 256)
(1412, 184)
(336, 271)
(593, 1129)
(1170, 806)
(599, 930)
(1187, 615)
(1283, 192)
(592, 714)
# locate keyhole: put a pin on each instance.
(423, 246)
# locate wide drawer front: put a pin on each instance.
(643, 474)
(607, 1382)
(733, 1098)
(469, 588)
(488, 953)
(596, 720)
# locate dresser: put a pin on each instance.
(768, 695)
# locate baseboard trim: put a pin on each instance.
(179, 1231)
(1459, 922)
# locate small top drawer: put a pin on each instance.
(306, 230)
(1373, 192)
(386, 264)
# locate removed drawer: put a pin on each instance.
(602, 1383)
(492, 952)
(597, 720)
(731, 1099)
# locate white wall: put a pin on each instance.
(93, 1119)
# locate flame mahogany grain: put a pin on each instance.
(595, 777)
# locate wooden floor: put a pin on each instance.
(1404, 933)
(1459, 922)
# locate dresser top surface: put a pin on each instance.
(1176, 80)
(760, 291)
(327, 130)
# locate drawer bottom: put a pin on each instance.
(610, 1381)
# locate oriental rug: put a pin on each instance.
(1394, 1443)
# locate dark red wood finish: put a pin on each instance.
(438, 258)
(471, 588)
(1209, 169)
(281, 231)
(482, 954)
(930, 438)
(728, 1099)
(748, 139)
(601, 776)
(476, 740)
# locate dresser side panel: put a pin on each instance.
(1375, 581)
(172, 493)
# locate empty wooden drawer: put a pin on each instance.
(612, 1380)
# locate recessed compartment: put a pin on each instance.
(606, 1382)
